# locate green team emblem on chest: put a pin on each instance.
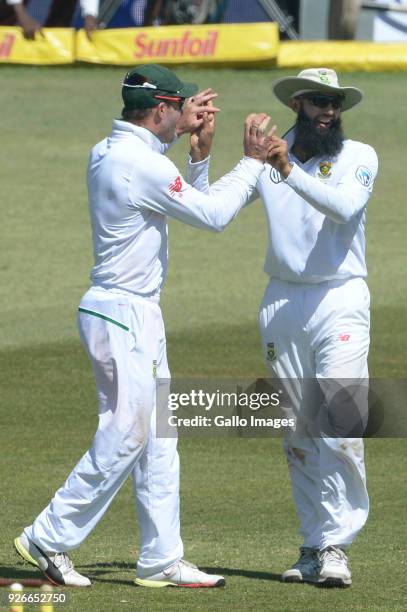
(325, 170)
(155, 368)
(271, 351)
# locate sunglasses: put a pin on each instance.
(137, 81)
(176, 103)
(323, 101)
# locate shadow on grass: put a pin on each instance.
(104, 572)
(18, 572)
(254, 575)
(96, 569)
(122, 565)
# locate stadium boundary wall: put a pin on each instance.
(254, 44)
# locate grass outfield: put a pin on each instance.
(238, 517)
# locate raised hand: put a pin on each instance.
(256, 143)
(278, 155)
(193, 111)
(202, 137)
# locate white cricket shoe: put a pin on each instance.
(334, 570)
(181, 574)
(306, 569)
(57, 567)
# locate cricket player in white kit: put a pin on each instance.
(133, 189)
(314, 318)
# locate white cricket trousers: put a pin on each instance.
(125, 340)
(320, 332)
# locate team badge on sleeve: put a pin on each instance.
(364, 176)
(175, 186)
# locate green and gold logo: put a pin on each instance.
(325, 170)
(324, 77)
(155, 368)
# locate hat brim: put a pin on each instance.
(287, 88)
(146, 98)
(187, 90)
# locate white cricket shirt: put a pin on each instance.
(316, 217)
(133, 188)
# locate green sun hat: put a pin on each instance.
(147, 85)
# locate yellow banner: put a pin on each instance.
(54, 46)
(249, 44)
(344, 55)
(199, 44)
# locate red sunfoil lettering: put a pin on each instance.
(176, 47)
(139, 40)
(7, 44)
(183, 42)
(167, 47)
(195, 46)
(211, 44)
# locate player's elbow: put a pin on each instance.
(210, 224)
(215, 228)
(342, 214)
(346, 215)
(346, 208)
(221, 225)
(217, 221)
(341, 218)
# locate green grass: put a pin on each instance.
(237, 513)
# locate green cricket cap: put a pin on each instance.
(147, 85)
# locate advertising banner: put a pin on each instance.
(391, 25)
(343, 55)
(210, 43)
(53, 46)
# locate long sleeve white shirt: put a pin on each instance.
(133, 188)
(316, 217)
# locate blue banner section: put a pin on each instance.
(130, 13)
(39, 9)
(242, 11)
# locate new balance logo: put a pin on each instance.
(176, 186)
(344, 337)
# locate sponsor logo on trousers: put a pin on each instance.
(176, 47)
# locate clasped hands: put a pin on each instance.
(265, 147)
(198, 119)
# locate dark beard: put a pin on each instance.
(312, 142)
